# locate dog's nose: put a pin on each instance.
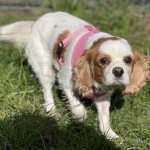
(118, 71)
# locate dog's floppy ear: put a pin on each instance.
(139, 73)
(83, 77)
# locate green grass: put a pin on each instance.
(24, 125)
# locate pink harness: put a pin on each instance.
(80, 46)
(79, 50)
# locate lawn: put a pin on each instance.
(24, 124)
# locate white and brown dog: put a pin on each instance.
(105, 63)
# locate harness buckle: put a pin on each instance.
(59, 49)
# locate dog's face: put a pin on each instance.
(110, 62)
(115, 57)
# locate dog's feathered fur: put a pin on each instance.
(40, 39)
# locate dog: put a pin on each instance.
(87, 63)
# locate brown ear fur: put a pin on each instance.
(139, 73)
(83, 77)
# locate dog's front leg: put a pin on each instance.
(103, 104)
(77, 108)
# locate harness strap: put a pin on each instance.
(79, 48)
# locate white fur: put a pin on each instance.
(95, 37)
(103, 104)
(39, 40)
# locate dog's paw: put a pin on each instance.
(110, 134)
(50, 109)
(79, 113)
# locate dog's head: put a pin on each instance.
(110, 62)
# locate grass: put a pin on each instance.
(24, 125)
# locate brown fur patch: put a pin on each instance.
(97, 69)
(61, 37)
(102, 40)
(139, 73)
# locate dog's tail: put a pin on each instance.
(16, 33)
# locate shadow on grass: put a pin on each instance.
(117, 100)
(29, 131)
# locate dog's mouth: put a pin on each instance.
(117, 83)
(120, 82)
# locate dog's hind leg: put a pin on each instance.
(40, 59)
(26, 34)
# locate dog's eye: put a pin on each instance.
(128, 60)
(104, 61)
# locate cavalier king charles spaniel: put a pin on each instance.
(106, 62)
